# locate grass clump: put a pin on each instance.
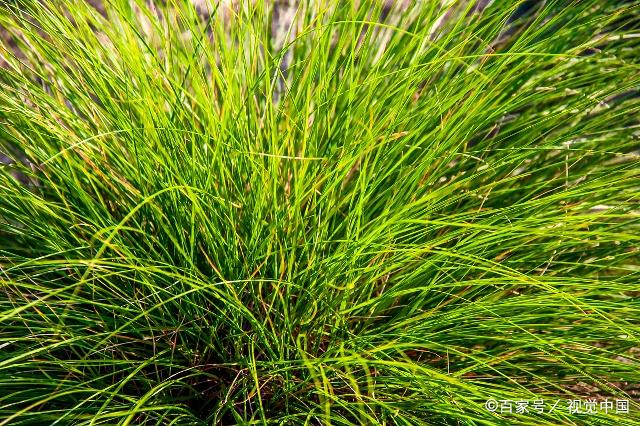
(379, 221)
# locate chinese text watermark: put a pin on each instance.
(570, 406)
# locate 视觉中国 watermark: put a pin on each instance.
(570, 406)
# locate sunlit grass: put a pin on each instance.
(377, 223)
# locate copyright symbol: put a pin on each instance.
(491, 405)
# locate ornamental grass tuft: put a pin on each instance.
(373, 214)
